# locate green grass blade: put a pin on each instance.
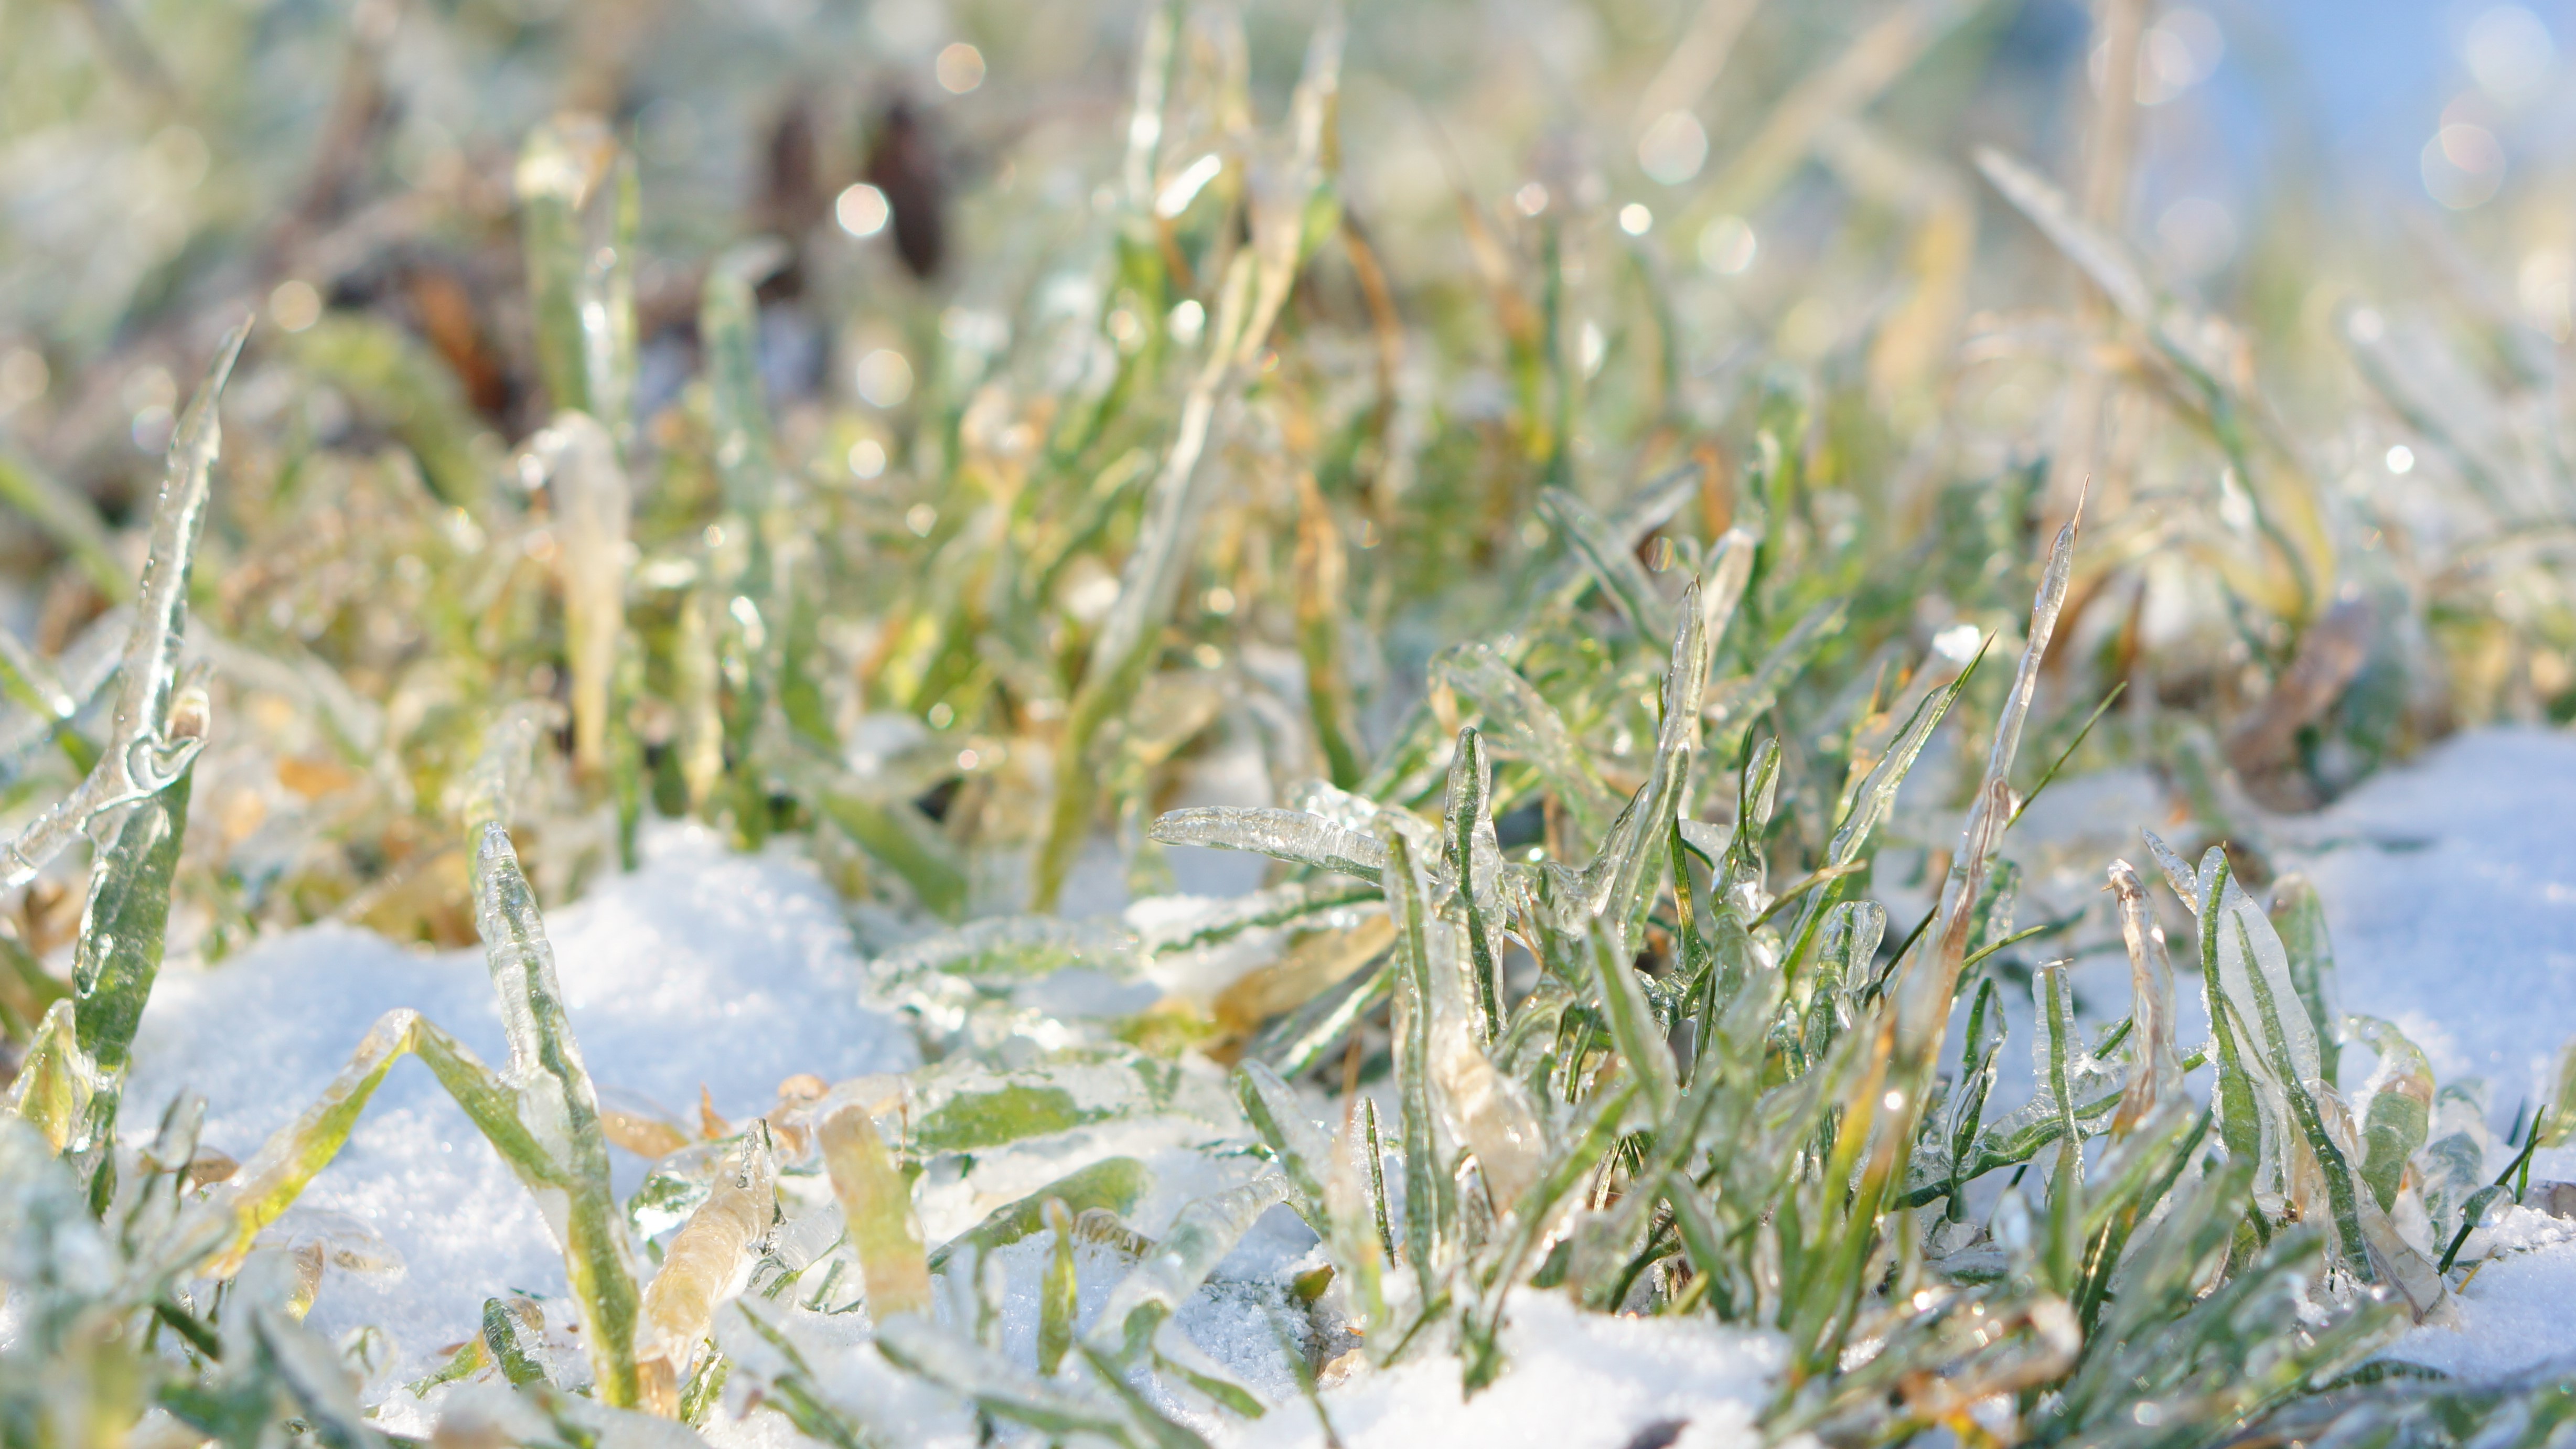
(959, 1364)
(1633, 1027)
(1735, 708)
(1581, 1155)
(1059, 1295)
(123, 929)
(2400, 1114)
(2066, 1184)
(68, 518)
(1323, 580)
(1290, 835)
(577, 214)
(737, 405)
(1524, 724)
(1149, 584)
(1303, 1151)
(1426, 1230)
(560, 1105)
(1622, 579)
(1636, 854)
(1977, 1072)
(1377, 1177)
(1200, 1237)
(2300, 919)
(387, 374)
(1474, 865)
(901, 837)
(1399, 772)
(271, 1180)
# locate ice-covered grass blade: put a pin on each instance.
(876, 1203)
(2155, 1073)
(1290, 835)
(1522, 722)
(1622, 579)
(1303, 1151)
(123, 928)
(700, 1267)
(150, 742)
(1427, 1225)
(577, 194)
(591, 508)
(2400, 1111)
(1473, 863)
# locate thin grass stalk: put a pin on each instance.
(1425, 1226)
(1474, 866)
(144, 754)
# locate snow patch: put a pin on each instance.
(1576, 1381)
(704, 966)
(2450, 893)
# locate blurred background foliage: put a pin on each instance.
(895, 318)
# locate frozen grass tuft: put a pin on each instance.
(813, 632)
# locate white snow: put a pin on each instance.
(1578, 1381)
(2518, 1310)
(704, 966)
(2450, 891)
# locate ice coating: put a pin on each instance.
(701, 1266)
(1290, 835)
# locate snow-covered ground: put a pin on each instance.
(2450, 888)
(702, 968)
(2450, 892)
(1579, 1380)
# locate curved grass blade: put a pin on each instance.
(1290, 835)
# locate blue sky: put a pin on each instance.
(2368, 79)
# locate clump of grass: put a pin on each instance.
(1594, 911)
